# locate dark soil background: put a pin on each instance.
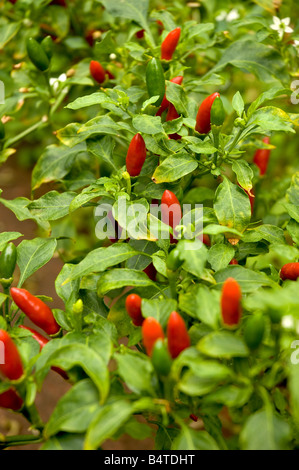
(15, 182)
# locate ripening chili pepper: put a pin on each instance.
(36, 310)
(97, 71)
(261, 157)
(62, 3)
(136, 155)
(177, 335)
(13, 1)
(160, 26)
(206, 239)
(133, 307)
(171, 211)
(254, 331)
(42, 341)
(151, 332)
(170, 43)
(151, 272)
(165, 103)
(173, 261)
(155, 80)
(290, 271)
(12, 367)
(217, 112)
(47, 45)
(2, 130)
(11, 400)
(110, 75)
(161, 359)
(8, 259)
(234, 261)
(37, 55)
(203, 118)
(231, 296)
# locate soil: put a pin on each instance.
(15, 182)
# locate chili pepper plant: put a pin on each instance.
(187, 317)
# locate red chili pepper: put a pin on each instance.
(140, 34)
(160, 26)
(193, 417)
(231, 309)
(171, 212)
(110, 75)
(151, 332)
(234, 261)
(203, 118)
(42, 341)
(97, 71)
(59, 2)
(133, 307)
(170, 43)
(165, 103)
(177, 335)
(290, 271)
(12, 367)
(151, 271)
(206, 239)
(35, 309)
(261, 157)
(136, 155)
(11, 400)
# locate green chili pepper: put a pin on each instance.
(37, 55)
(8, 261)
(254, 331)
(217, 112)
(155, 80)
(173, 261)
(161, 358)
(47, 45)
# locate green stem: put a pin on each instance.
(235, 141)
(37, 125)
(11, 441)
(32, 415)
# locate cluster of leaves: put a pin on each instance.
(80, 138)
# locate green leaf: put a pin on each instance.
(232, 206)
(32, 255)
(249, 280)
(174, 168)
(19, 207)
(6, 237)
(52, 205)
(64, 441)
(270, 233)
(271, 119)
(189, 439)
(106, 423)
(201, 303)
(219, 256)
(265, 430)
(55, 163)
(257, 58)
(194, 253)
(231, 396)
(102, 258)
(244, 174)
(71, 355)
(238, 104)
(117, 278)
(136, 371)
(159, 309)
(8, 31)
(203, 377)
(148, 124)
(75, 410)
(102, 148)
(222, 344)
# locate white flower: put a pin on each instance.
(221, 16)
(229, 17)
(55, 82)
(281, 26)
(296, 44)
(288, 322)
(233, 15)
(112, 56)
